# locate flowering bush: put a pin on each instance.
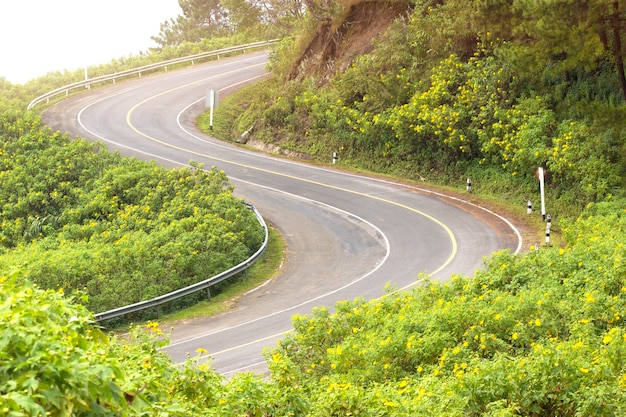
(80, 218)
(55, 361)
(535, 334)
(465, 115)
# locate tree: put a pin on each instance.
(282, 15)
(243, 15)
(558, 36)
(322, 10)
(200, 19)
(616, 22)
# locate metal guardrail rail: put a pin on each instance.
(207, 283)
(163, 64)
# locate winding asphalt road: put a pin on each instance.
(347, 235)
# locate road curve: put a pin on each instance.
(347, 235)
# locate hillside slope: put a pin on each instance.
(336, 44)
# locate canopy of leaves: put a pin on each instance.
(205, 19)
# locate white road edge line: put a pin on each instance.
(380, 263)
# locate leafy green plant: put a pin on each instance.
(52, 360)
(81, 208)
(534, 334)
(55, 361)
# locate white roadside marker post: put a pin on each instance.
(212, 100)
(540, 175)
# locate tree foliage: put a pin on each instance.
(200, 19)
(206, 19)
(558, 36)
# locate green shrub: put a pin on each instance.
(80, 218)
(55, 361)
(534, 334)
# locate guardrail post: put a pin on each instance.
(208, 292)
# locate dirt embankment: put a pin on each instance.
(336, 44)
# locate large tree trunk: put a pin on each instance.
(617, 43)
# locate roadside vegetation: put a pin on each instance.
(446, 90)
(446, 94)
(79, 218)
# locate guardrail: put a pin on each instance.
(206, 284)
(163, 64)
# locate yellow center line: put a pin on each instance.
(253, 342)
(305, 180)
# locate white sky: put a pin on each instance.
(40, 36)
